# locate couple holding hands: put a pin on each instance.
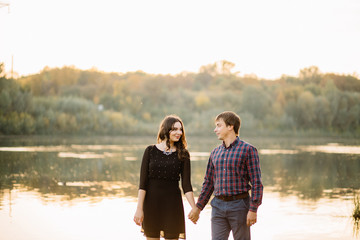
(233, 170)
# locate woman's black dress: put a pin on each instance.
(163, 207)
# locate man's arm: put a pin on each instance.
(253, 165)
(206, 191)
(208, 186)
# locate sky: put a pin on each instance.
(261, 37)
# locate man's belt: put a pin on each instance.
(233, 197)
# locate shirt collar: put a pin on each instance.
(234, 143)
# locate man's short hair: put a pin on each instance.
(230, 119)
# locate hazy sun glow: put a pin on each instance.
(267, 38)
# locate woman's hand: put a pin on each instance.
(139, 217)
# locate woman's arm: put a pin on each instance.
(190, 198)
(144, 170)
(139, 214)
(187, 188)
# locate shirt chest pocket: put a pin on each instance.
(229, 162)
(236, 163)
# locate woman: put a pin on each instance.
(160, 209)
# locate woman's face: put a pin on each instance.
(176, 132)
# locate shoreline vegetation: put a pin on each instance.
(243, 134)
(72, 102)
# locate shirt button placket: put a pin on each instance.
(225, 155)
(224, 192)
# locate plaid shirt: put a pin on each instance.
(230, 171)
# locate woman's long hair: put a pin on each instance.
(167, 125)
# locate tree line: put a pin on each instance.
(68, 100)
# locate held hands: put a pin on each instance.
(139, 217)
(194, 215)
(251, 218)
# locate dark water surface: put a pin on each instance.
(86, 187)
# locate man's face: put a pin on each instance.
(221, 129)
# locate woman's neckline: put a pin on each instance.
(163, 151)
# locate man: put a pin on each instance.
(233, 169)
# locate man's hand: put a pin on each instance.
(194, 215)
(251, 218)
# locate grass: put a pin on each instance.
(356, 214)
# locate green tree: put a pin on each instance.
(323, 114)
(310, 74)
(202, 101)
(306, 108)
(256, 101)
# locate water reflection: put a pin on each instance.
(280, 218)
(312, 175)
(329, 148)
(332, 148)
(101, 173)
(305, 171)
(79, 171)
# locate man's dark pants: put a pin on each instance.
(229, 216)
